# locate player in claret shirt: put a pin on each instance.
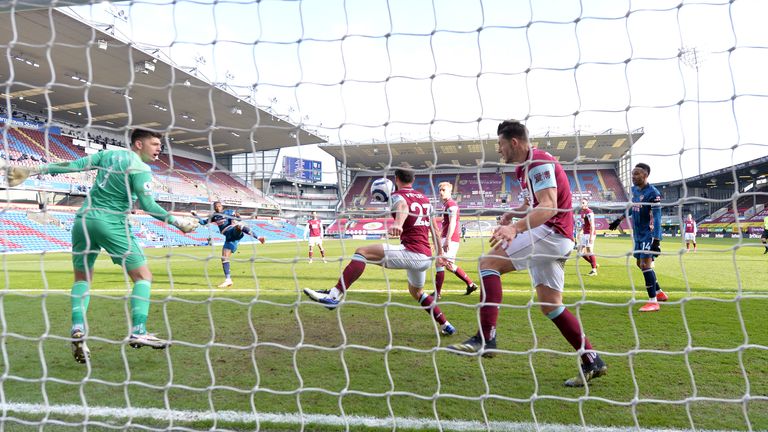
(413, 224)
(586, 248)
(450, 236)
(315, 233)
(539, 241)
(690, 233)
(233, 231)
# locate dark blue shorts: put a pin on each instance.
(232, 239)
(643, 248)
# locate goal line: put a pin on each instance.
(294, 419)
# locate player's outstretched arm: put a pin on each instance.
(201, 221)
(183, 223)
(17, 174)
(615, 224)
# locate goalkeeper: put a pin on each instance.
(647, 236)
(232, 229)
(102, 222)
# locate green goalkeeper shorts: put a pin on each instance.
(91, 234)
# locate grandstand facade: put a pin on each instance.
(709, 197)
(482, 187)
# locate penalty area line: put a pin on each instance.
(287, 418)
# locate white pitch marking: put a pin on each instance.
(316, 419)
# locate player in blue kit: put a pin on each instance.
(646, 231)
(233, 231)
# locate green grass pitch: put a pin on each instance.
(702, 361)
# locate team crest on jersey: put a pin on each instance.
(148, 186)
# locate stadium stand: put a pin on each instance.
(27, 231)
(181, 177)
(750, 211)
(601, 185)
(475, 190)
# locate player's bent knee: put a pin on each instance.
(415, 292)
(501, 264)
(548, 308)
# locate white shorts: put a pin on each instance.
(690, 237)
(453, 249)
(543, 252)
(415, 264)
(315, 241)
(586, 240)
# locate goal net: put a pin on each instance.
(286, 112)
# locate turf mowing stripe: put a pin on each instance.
(460, 293)
(315, 419)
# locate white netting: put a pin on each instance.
(242, 92)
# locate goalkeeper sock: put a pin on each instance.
(79, 300)
(426, 302)
(352, 272)
(570, 328)
(650, 282)
(140, 306)
(490, 293)
(463, 276)
(225, 266)
(439, 279)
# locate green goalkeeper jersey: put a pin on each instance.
(122, 179)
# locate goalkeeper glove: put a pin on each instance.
(615, 224)
(656, 246)
(185, 224)
(16, 174)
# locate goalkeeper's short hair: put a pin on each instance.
(140, 134)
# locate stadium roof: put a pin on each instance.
(468, 152)
(126, 87)
(745, 172)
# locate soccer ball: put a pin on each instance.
(382, 189)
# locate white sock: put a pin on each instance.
(335, 293)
